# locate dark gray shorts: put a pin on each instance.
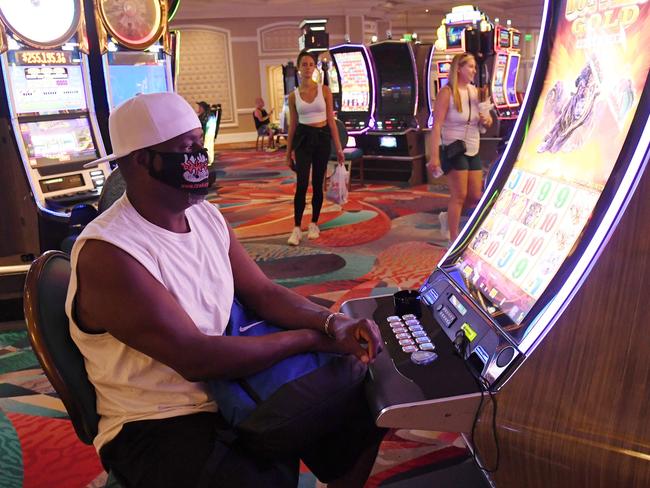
(462, 162)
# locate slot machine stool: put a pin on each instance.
(46, 287)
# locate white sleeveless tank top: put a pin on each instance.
(455, 125)
(314, 112)
(130, 385)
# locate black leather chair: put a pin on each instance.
(46, 287)
(114, 188)
(353, 155)
(80, 216)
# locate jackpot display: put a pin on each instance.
(46, 82)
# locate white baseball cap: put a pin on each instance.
(146, 120)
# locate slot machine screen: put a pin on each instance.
(396, 98)
(454, 34)
(504, 39)
(511, 80)
(396, 78)
(516, 40)
(388, 142)
(498, 90)
(570, 149)
(444, 67)
(46, 82)
(50, 142)
(355, 85)
(131, 73)
(333, 78)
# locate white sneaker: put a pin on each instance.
(294, 238)
(314, 231)
(444, 226)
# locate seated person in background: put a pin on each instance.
(263, 122)
(203, 111)
(208, 126)
(153, 281)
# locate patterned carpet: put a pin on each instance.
(383, 239)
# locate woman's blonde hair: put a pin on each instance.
(459, 60)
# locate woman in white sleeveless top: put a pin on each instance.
(311, 128)
(457, 117)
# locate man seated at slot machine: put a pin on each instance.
(459, 115)
(153, 282)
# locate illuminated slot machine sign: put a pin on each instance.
(565, 175)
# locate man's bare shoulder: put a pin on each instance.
(105, 275)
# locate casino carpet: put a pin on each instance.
(382, 240)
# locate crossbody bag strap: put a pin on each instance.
(469, 117)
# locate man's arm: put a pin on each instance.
(118, 295)
(286, 308)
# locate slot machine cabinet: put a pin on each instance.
(48, 128)
(131, 52)
(394, 148)
(423, 54)
(503, 69)
(541, 301)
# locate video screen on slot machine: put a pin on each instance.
(50, 142)
(511, 80)
(355, 86)
(46, 82)
(591, 92)
(132, 73)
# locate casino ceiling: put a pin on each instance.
(408, 13)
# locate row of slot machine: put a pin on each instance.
(382, 95)
(539, 305)
(64, 66)
(498, 53)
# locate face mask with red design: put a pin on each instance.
(184, 171)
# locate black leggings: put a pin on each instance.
(312, 146)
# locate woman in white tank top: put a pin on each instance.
(311, 128)
(457, 117)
